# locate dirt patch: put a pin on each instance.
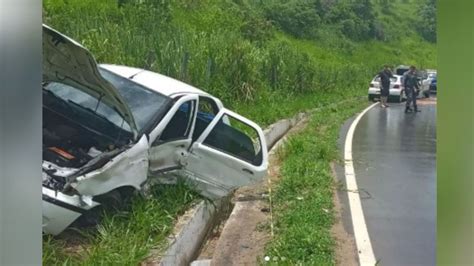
(427, 101)
(242, 242)
(346, 248)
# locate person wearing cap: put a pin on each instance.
(410, 82)
(384, 76)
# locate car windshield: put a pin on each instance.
(144, 103)
(85, 101)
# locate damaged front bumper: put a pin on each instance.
(61, 210)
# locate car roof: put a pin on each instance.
(154, 81)
(396, 76)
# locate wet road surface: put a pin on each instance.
(395, 165)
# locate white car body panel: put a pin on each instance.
(395, 92)
(216, 172)
(55, 217)
(374, 91)
(170, 154)
(154, 81)
(126, 169)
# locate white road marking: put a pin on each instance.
(364, 247)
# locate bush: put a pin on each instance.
(296, 18)
(356, 19)
(427, 23)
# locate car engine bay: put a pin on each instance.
(69, 144)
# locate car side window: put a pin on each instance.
(207, 110)
(237, 139)
(179, 125)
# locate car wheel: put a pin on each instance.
(371, 98)
(110, 201)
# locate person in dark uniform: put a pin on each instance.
(384, 76)
(410, 81)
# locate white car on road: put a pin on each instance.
(396, 92)
(109, 130)
(423, 79)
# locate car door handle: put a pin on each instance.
(247, 170)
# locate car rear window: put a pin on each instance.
(401, 71)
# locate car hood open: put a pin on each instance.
(66, 61)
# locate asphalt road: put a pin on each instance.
(395, 165)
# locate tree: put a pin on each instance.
(297, 18)
(427, 15)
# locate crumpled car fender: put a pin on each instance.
(130, 168)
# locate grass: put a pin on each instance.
(124, 238)
(302, 200)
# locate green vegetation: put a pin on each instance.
(302, 200)
(266, 60)
(249, 53)
(427, 26)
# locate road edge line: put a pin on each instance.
(364, 246)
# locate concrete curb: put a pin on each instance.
(275, 131)
(187, 242)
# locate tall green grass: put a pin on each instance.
(209, 44)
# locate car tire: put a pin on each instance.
(371, 98)
(110, 201)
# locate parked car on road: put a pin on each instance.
(401, 69)
(396, 93)
(109, 130)
(425, 77)
(424, 81)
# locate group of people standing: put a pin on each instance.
(410, 84)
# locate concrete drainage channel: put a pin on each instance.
(195, 226)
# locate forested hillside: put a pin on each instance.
(256, 52)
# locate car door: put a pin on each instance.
(171, 139)
(230, 153)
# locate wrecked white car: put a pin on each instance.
(109, 129)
